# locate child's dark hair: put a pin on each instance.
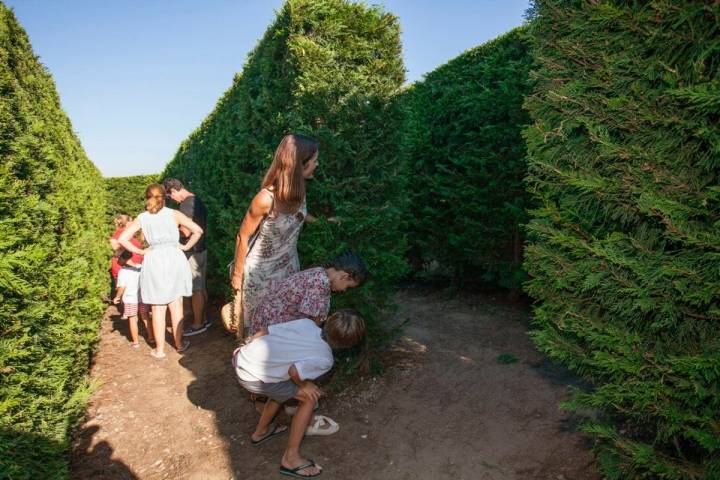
(344, 329)
(124, 257)
(351, 263)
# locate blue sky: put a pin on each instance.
(137, 76)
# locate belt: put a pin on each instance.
(165, 245)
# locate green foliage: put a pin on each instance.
(327, 68)
(126, 195)
(624, 157)
(466, 156)
(506, 358)
(24, 455)
(52, 262)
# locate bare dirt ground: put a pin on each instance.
(444, 409)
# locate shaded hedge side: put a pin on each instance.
(52, 257)
(126, 195)
(625, 250)
(465, 155)
(327, 68)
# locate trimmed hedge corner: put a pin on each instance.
(326, 68)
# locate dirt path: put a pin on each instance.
(445, 409)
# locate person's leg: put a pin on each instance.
(187, 311)
(198, 267)
(133, 324)
(158, 321)
(148, 326)
(112, 285)
(292, 458)
(263, 425)
(176, 320)
(199, 297)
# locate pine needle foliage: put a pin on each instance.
(328, 69)
(465, 155)
(52, 259)
(624, 157)
(126, 195)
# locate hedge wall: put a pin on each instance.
(625, 252)
(126, 195)
(327, 68)
(463, 145)
(52, 261)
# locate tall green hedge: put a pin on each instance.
(126, 195)
(625, 251)
(52, 260)
(464, 149)
(327, 68)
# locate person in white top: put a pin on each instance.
(128, 291)
(280, 364)
(165, 277)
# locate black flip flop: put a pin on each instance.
(273, 433)
(293, 472)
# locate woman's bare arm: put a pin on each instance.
(195, 230)
(259, 208)
(129, 232)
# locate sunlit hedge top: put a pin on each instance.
(327, 69)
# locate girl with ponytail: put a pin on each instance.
(165, 276)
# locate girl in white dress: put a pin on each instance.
(165, 276)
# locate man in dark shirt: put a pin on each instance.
(193, 207)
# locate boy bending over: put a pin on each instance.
(306, 294)
(280, 364)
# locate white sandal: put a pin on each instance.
(315, 428)
(155, 354)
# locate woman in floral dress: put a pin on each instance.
(266, 245)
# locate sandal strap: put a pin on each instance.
(311, 463)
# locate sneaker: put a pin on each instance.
(190, 331)
(185, 345)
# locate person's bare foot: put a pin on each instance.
(259, 437)
(300, 466)
(157, 354)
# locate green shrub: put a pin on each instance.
(326, 68)
(126, 195)
(464, 148)
(624, 157)
(52, 260)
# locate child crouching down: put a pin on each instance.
(280, 364)
(128, 290)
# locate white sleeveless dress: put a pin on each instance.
(165, 275)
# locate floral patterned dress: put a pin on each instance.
(304, 294)
(272, 255)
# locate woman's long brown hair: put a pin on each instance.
(154, 197)
(285, 173)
